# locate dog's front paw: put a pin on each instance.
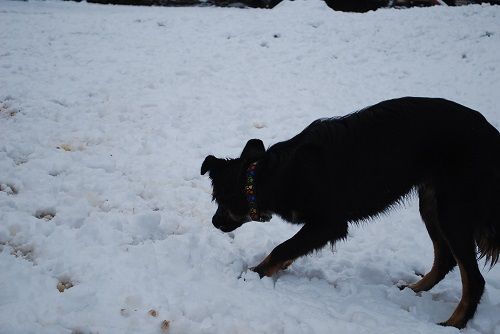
(265, 268)
(269, 268)
(259, 270)
(401, 285)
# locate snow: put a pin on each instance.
(107, 112)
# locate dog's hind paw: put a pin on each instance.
(450, 323)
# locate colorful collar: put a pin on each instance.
(250, 192)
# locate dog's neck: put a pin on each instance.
(256, 209)
(250, 193)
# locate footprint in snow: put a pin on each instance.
(22, 251)
(259, 125)
(9, 189)
(64, 285)
(45, 214)
(6, 109)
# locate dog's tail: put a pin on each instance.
(488, 242)
(487, 232)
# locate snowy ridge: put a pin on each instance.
(106, 113)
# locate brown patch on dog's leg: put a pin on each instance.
(462, 244)
(443, 263)
(443, 258)
(426, 283)
(472, 290)
(457, 318)
(268, 267)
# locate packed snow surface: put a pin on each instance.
(107, 112)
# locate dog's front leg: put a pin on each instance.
(308, 238)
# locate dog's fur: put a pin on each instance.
(343, 170)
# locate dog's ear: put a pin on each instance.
(253, 150)
(208, 164)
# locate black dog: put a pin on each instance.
(351, 168)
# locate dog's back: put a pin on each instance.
(366, 161)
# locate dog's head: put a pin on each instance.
(228, 185)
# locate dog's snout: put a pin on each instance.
(216, 221)
(223, 221)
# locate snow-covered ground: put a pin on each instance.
(106, 113)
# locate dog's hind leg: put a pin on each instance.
(444, 261)
(307, 239)
(456, 216)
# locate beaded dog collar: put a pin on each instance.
(250, 192)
